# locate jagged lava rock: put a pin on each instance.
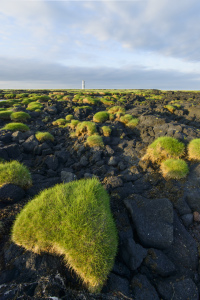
(153, 219)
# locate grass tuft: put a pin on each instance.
(16, 127)
(163, 148)
(106, 130)
(116, 109)
(74, 220)
(15, 173)
(174, 168)
(101, 117)
(19, 116)
(5, 114)
(44, 136)
(85, 127)
(194, 149)
(95, 141)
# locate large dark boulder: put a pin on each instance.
(153, 220)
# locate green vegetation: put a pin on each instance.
(9, 96)
(20, 116)
(44, 136)
(69, 117)
(170, 108)
(94, 141)
(111, 117)
(126, 118)
(82, 107)
(85, 127)
(73, 124)
(5, 114)
(23, 95)
(3, 103)
(74, 220)
(107, 102)
(174, 168)
(101, 117)
(15, 173)
(35, 106)
(16, 127)
(194, 149)
(91, 101)
(116, 109)
(106, 130)
(59, 122)
(163, 148)
(132, 123)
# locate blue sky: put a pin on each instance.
(109, 44)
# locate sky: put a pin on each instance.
(141, 44)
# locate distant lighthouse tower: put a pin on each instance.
(83, 84)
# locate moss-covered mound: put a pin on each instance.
(44, 136)
(101, 116)
(15, 173)
(174, 168)
(163, 148)
(194, 149)
(16, 127)
(94, 141)
(20, 116)
(74, 220)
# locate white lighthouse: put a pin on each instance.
(83, 84)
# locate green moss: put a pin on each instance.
(106, 130)
(19, 116)
(82, 107)
(15, 127)
(116, 109)
(33, 106)
(15, 173)
(107, 102)
(170, 108)
(194, 149)
(86, 127)
(73, 220)
(174, 168)
(94, 141)
(133, 123)
(101, 117)
(59, 122)
(5, 114)
(69, 117)
(3, 103)
(126, 118)
(9, 96)
(44, 136)
(73, 124)
(163, 148)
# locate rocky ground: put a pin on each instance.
(158, 221)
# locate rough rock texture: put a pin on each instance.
(153, 220)
(157, 220)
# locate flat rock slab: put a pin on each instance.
(153, 219)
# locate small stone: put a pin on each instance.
(196, 216)
(113, 161)
(67, 176)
